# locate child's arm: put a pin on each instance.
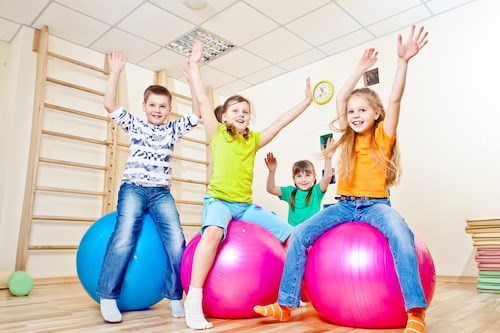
(116, 62)
(271, 164)
(327, 152)
(406, 51)
(194, 101)
(286, 118)
(368, 59)
(207, 114)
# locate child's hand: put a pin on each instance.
(271, 162)
(413, 44)
(368, 59)
(116, 61)
(328, 151)
(196, 53)
(308, 90)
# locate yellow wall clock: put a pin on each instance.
(322, 92)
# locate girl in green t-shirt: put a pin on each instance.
(304, 198)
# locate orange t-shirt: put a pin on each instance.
(368, 179)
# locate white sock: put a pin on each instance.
(109, 310)
(302, 304)
(177, 309)
(195, 319)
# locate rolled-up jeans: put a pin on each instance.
(375, 212)
(133, 202)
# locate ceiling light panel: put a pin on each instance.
(213, 46)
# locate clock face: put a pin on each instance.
(322, 92)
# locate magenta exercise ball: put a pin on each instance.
(246, 272)
(351, 280)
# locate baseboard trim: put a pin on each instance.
(439, 278)
(456, 279)
(54, 280)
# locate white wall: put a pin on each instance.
(448, 134)
(17, 82)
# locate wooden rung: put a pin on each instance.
(74, 164)
(68, 190)
(184, 180)
(52, 247)
(191, 224)
(188, 202)
(195, 140)
(76, 112)
(64, 218)
(182, 158)
(74, 137)
(76, 62)
(74, 86)
(187, 98)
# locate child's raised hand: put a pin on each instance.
(413, 44)
(368, 59)
(271, 162)
(308, 89)
(116, 61)
(328, 151)
(196, 53)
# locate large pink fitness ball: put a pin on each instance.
(351, 280)
(246, 272)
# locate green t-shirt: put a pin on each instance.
(233, 161)
(301, 211)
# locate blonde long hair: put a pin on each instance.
(391, 166)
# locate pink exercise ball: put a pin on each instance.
(351, 280)
(246, 272)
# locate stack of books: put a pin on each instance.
(486, 239)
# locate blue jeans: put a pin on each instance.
(133, 202)
(219, 213)
(375, 212)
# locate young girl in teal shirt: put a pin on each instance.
(304, 198)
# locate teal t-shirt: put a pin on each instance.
(301, 211)
(233, 162)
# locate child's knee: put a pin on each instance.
(213, 234)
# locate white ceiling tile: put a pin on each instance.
(155, 24)
(264, 75)
(283, 11)
(232, 88)
(239, 63)
(24, 11)
(369, 12)
(8, 30)
(440, 6)
(302, 59)
(195, 16)
(173, 63)
(318, 27)
(70, 25)
(134, 48)
(399, 21)
(239, 24)
(215, 78)
(109, 11)
(346, 42)
(271, 45)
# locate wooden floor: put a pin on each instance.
(457, 308)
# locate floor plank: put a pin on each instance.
(457, 308)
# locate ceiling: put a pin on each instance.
(272, 37)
